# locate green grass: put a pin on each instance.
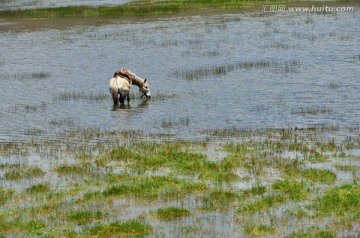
(220, 200)
(94, 196)
(346, 167)
(84, 169)
(340, 201)
(5, 195)
(39, 188)
(154, 186)
(256, 230)
(24, 173)
(262, 204)
(179, 162)
(119, 228)
(82, 217)
(138, 8)
(31, 227)
(319, 176)
(292, 189)
(314, 234)
(171, 213)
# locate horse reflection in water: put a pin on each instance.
(121, 83)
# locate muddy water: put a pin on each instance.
(246, 70)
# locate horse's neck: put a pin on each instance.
(137, 81)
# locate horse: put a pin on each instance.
(121, 83)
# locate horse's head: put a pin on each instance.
(145, 90)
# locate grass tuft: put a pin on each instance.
(319, 176)
(292, 189)
(124, 228)
(5, 195)
(340, 201)
(24, 173)
(84, 216)
(258, 230)
(171, 213)
(39, 188)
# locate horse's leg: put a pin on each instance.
(115, 96)
(122, 98)
(128, 97)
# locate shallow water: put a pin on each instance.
(246, 70)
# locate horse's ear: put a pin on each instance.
(145, 80)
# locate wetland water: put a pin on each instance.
(246, 70)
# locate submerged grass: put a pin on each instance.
(76, 96)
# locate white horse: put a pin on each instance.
(121, 83)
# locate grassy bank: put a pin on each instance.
(138, 8)
(289, 183)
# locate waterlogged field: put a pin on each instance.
(252, 130)
(234, 183)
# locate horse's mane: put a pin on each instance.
(123, 75)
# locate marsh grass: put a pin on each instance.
(258, 230)
(76, 96)
(31, 227)
(39, 188)
(262, 204)
(183, 163)
(346, 167)
(5, 195)
(215, 71)
(82, 217)
(316, 110)
(292, 189)
(171, 213)
(171, 123)
(315, 233)
(137, 8)
(340, 201)
(62, 122)
(164, 96)
(23, 76)
(119, 228)
(24, 173)
(78, 170)
(154, 186)
(220, 200)
(30, 108)
(262, 181)
(319, 176)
